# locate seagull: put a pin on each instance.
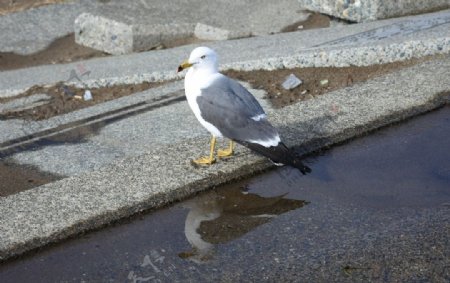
(226, 109)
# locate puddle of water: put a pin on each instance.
(375, 209)
(227, 214)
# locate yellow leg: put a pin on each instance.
(207, 160)
(226, 152)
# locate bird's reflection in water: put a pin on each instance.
(225, 215)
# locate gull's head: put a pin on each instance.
(203, 58)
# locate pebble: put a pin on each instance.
(87, 95)
(323, 82)
(291, 82)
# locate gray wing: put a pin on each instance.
(230, 107)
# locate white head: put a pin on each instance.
(203, 58)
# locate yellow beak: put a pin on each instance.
(184, 65)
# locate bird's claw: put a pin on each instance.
(204, 161)
(224, 152)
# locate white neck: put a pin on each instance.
(199, 78)
(205, 70)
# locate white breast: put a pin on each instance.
(193, 83)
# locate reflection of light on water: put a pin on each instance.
(225, 215)
(265, 215)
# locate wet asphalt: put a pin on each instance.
(374, 209)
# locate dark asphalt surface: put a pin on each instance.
(374, 209)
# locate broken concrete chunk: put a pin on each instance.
(103, 34)
(208, 32)
(291, 82)
(370, 10)
(24, 103)
(117, 37)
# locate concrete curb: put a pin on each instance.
(59, 210)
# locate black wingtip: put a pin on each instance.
(279, 154)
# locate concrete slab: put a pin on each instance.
(116, 37)
(33, 30)
(163, 174)
(371, 10)
(361, 44)
(122, 27)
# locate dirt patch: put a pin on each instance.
(316, 81)
(315, 20)
(65, 99)
(62, 50)
(16, 178)
(13, 6)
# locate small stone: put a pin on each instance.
(277, 260)
(87, 95)
(323, 82)
(304, 91)
(300, 27)
(308, 96)
(291, 82)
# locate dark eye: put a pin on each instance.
(203, 57)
